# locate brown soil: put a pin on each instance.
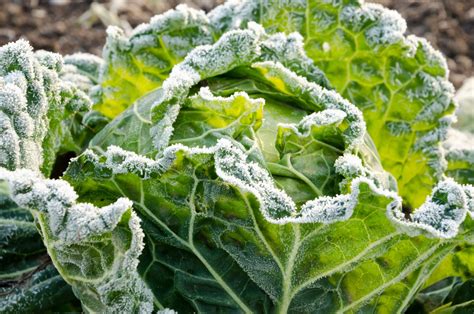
(57, 25)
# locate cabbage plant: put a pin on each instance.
(268, 156)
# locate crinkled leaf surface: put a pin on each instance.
(137, 64)
(210, 246)
(239, 213)
(400, 83)
(34, 103)
(82, 70)
(94, 249)
(28, 280)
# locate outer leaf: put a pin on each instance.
(460, 299)
(136, 65)
(28, 281)
(44, 291)
(459, 263)
(34, 102)
(95, 250)
(224, 224)
(400, 83)
(434, 296)
(207, 227)
(82, 70)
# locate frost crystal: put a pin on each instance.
(235, 48)
(72, 231)
(318, 98)
(250, 47)
(33, 102)
(440, 215)
(232, 167)
(138, 64)
(233, 14)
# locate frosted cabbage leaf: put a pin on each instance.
(260, 190)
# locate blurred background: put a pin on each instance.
(68, 26)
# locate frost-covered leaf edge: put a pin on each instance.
(63, 222)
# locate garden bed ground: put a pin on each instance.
(67, 26)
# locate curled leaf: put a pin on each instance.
(95, 250)
(34, 104)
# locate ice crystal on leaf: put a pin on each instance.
(400, 83)
(136, 65)
(34, 104)
(95, 249)
(243, 166)
(270, 156)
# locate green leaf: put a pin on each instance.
(42, 291)
(209, 238)
(28, 281)
(94, 249)
(82, 70)
(204, 118)
(459, 263)
(400, 83)
(140, 63)
(448, 296)
(238, 214)
(434, 296)
(34, 103)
